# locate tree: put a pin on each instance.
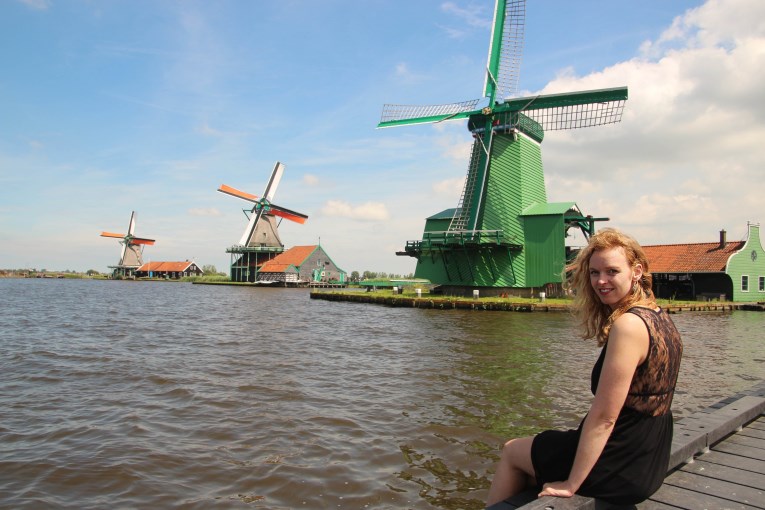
(354, 276)
(209, 269)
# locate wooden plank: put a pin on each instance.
(656, 505)
(752, 442)
(717, 488)
(685, 445)
(721, 422)
(737, 449)
(729, 474)
(680, 497)
(727, 459)
(753, 432)
(546, 503)
(573, 503)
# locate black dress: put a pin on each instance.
(635, 459)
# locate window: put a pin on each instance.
(762, 283)
(744, 283)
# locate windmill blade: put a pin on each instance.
(401, 115)
(572, 110)
(124, 252)
(285, 213)
(251, 227)
(142, 240)
(238, 193)
(131, 227)
(112, 234)
(273, 182)
(503, 64)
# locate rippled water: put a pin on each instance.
(172, 395)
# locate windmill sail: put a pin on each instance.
(401, 114)
(503, 67)
(261, 230)
(499, 231)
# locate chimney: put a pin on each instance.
(723, 241)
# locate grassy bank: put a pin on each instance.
(519, 304)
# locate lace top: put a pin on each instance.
(653, 384)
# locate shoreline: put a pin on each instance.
(506, 304)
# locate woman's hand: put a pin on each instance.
(557, 489)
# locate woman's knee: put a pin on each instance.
(517, 452)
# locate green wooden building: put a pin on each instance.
(533, 261)
(723, 270)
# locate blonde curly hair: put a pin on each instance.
(595, 317)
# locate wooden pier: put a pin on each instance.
(717, 462)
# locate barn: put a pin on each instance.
(301, 265)
(724, 270)
(169, 270)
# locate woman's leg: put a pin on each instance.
(514, 471)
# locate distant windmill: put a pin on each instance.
(131, 257)
(260, 241)
(493, 237)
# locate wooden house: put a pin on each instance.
(301, 265)
(732, 271)
(169, 270)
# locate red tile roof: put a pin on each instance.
(170, 267)
(294, 256)
(690, 258)
(271, 267)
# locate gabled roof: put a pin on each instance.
(170, 267)
(295, 256)
(690, 258)
(556, 208)
(443, 215)
(270, 267)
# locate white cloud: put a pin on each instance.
(40, 5)
(475, 16)
(369, 211)
(449, 187)
(687, 157)
(310, 180)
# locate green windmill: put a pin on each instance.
(503, 235)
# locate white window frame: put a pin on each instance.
(743, 288)
(761, 284)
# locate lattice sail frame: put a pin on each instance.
(392, 113)
(578, 116)
(503, 68)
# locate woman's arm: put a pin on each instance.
(627, 348)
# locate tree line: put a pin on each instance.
(372, 275)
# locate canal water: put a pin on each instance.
(120, 394)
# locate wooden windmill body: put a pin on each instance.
(131, 257)
(260, 241)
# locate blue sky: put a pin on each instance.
(114, 106)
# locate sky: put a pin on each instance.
(114, 106)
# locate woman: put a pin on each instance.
(620, 452)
